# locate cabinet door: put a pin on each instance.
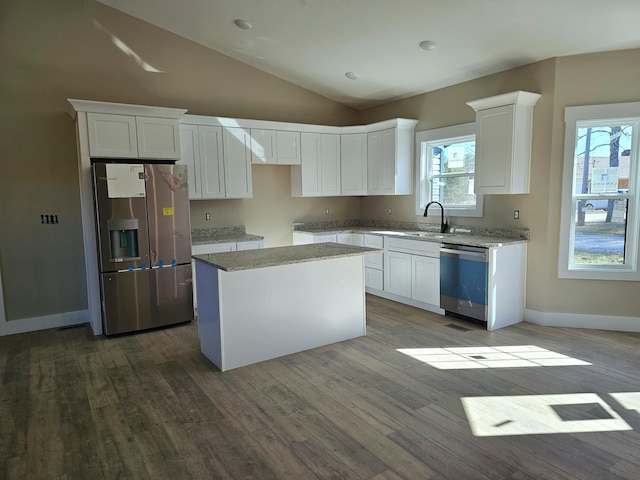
(374, 260)
(353, 163)
(494, 149)
(112, 136)
(288, 147)
(190, 156)
(307, 177)
(390, 161)
(237, 162)
(212, 175)
(373, 278)
(426, 279)
(330, 164)
(397, 273)
(263, 146)
(158, 138)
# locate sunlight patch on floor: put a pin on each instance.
(541, 414)
(629, 400)
(513, 356)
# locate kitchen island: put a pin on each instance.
(261, 304)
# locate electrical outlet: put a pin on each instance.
(207, 216)
(326, 211)
(49, 218)
(516, 214)
(389, 211)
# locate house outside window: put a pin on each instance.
(600, 229)
(446, 170)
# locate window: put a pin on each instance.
(446, 169)
(599, 234)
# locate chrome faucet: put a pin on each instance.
(444, 225)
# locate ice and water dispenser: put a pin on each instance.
(123, 239)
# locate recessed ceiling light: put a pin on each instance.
(428, 45)
(351, 76)
(243, 24)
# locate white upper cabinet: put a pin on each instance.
(236, 143)
(275, 147)
(212, 171)
(190, 156)
(263, 146)
(112, 136)
(218, 161)
(353, 163)
(125, 136)
(503, 142)
(288, 147)
(201, 151)
(158, 138)
(390, 157)
(318, 175)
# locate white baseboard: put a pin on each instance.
(405, 300)
(579, 320)
(11, 327)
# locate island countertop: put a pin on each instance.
(271, 257)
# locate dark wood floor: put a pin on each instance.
(149, 405)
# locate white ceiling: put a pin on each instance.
(313, 43)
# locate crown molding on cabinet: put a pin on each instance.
(123, 109)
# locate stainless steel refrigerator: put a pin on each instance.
(144, 243)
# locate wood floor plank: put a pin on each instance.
(150, 405)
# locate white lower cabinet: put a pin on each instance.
(219, 248)
(250, 245)
(374, 263)
(373, 279)
(412, 271)
(356, 239)
(397, 273)
(407, 270)
(425, 279)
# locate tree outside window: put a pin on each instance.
(446, 170)
(600, 229)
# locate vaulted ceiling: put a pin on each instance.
(317, 43)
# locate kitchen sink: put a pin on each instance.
(427, 234)
(410, 234)
(390, 232)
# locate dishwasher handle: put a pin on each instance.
(463, 252)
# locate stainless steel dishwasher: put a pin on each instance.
(464, 277)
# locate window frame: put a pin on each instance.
(442, 135)
(597, 114)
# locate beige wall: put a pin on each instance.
(52, 51)
(577, 80)
(447, 107)
(611, 77)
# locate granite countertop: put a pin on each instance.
(272, 257)
(206, 236)
(458, 235)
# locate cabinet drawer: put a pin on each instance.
(373, 241)
(250, 245)
(213, 248)
(419, 247)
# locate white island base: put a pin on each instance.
(252, 315)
